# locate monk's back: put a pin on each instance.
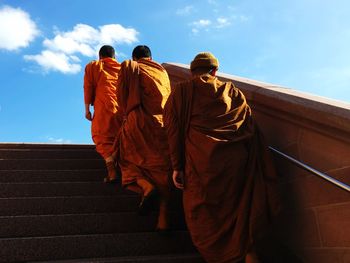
(144, 138)
(218, 108)
(104, 75)
(155, 85)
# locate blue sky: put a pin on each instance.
(44, 46)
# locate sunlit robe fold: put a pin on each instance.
(100, 86)
(144, 89)
(229, 193)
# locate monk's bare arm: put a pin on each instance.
(171, 123)
(178, 179)
(89, 91)
(88, 115)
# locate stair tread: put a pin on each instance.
(54, 164)
(194, 257)
(67, 204)
(55, 207)
(47, 189)
(100, 245)
(72, 224)
(33, 176)
(10, 146)
(48, 153)
(98, 235)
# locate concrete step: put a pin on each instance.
(81, 224)
(30, 176)
(56, 205)
(68, 205)
(56, 164)
(177, 258)
(48, 146)
(50, 189)
(49, 154)
(94, 246)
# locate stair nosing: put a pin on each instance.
(121, 259)
(54, 182)
(70, 214)
(69, 196)
(90, 235)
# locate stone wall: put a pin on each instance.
(315, 223)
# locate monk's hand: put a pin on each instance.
(88, 115)
(178, 179)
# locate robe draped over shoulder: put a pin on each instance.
(143, 147)
(229, 179)
(100, 87)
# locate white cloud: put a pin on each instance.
(86, 40)
(61, 52)
(69, 46)
(60, 140)
(115, 33)
(195, 31)
(222, 22)
(81, 33)
(185, 11)
(17, 29)
(216, 24)
(55, 61)
(240, 18)
(201, 23)
(220, 16)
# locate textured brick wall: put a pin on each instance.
(315, 223)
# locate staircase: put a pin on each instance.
(54, 207)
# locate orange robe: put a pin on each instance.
(144, 89)
(100, 86)
(228, 193)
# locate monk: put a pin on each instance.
(144, 87)
(219, 160)
(100, 86)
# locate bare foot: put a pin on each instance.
(145, 185)
(163, 223)
(251, 257)
(112, 175)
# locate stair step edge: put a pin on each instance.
(154, 258)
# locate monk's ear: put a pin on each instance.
(213, 72)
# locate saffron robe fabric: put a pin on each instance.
(100, 87)
(143, 148)
(229, 181)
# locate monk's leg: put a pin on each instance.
(104, 146)
(155, 184)
(161, 180)
(135, 179)
(130, 174)
(111, 171)
(149, 194)
(163, 217)
(145, 185)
